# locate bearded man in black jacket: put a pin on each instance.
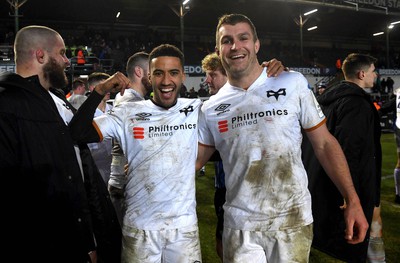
(353, 119)
(56, 206)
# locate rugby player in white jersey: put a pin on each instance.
(255, 123)
(159, 139)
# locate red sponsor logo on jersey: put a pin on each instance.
(138, 132)
(223, 126)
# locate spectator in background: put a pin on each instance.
(101, 151)
(137, 69)
(383, 89)
(77, 94)
(321, 88)
(353, 119)
(377, 85)
(80, 57)
(183, 92)
(192, 93)
(216, 79)
(202, 92)
(389, 84)
(338, 65)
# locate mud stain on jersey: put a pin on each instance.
(301, 244)
(269, 172)
(272, 183)
(149, 188)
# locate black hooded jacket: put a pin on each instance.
(354, 121)
(50, 214)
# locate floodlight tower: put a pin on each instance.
(16, 4)
(301, 22)
(388, 28)
(183, 9)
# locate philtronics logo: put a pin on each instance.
(138, 133)
(223, 126)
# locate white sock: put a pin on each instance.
(397, 180)
(376, 250)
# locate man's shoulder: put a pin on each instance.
(13, 87)
(189, 101)
(11, 81)
(288, 76)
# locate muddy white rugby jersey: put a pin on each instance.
(397, 93)
(258, 134)
(161, 148)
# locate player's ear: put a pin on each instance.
(257, 46)
(39, 54)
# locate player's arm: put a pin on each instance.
(332, 159)
(82, 127)
(204, 153)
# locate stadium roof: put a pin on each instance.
(349, 19)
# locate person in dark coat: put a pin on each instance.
(353, 119)
(55, 203)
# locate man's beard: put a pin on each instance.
(146, 83)
(54, 74)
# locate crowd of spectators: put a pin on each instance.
(105, 46)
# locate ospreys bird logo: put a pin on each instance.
(186, 110)
(276, 94)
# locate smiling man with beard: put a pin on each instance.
(63, 203)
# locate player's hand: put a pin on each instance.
(118, 82)
(356, 223)
(274, 67)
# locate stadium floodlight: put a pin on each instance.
(388, 29)
(312, 28)
(310, 12)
